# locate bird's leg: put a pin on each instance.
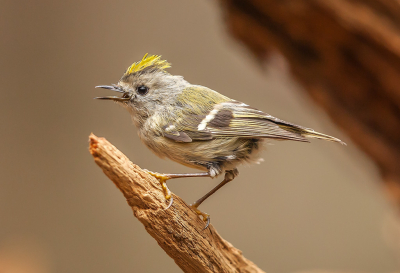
(163, 177)
(229, 176)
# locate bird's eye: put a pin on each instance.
(142, 90)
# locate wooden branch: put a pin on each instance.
(178, 230)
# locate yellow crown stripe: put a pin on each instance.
(152, 60)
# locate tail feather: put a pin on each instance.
(307, 132)
(312, 134)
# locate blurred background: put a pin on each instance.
(306, 207)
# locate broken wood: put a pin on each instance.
(177, 230)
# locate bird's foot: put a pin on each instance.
(206, 217)
(162, 178)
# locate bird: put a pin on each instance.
(196, 126)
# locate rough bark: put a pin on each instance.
(178, 230)
(346, 53)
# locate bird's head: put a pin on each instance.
(146, 88)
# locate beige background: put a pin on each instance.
(308, 206)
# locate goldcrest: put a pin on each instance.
(197, 126)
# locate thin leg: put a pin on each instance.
(183, 175)
(229, 176)
(164, 177)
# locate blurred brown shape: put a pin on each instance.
(23, 255)
(346, 53)
(177, 230)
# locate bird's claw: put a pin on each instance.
(208, 222)
(206, 217)
(162, 178)
(170, 202)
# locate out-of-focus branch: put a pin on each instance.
(177, 230)
(346, 53)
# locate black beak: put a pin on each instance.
(113, 88)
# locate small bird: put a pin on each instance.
(197, 126)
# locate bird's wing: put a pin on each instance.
(230, 119)
(238, 119)
(234, 118)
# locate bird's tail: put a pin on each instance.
(310, 133)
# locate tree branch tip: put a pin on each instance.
(178, 230)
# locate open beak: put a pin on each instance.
(113, 88)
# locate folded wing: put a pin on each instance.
(232, 119)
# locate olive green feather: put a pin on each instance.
(209, 115)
